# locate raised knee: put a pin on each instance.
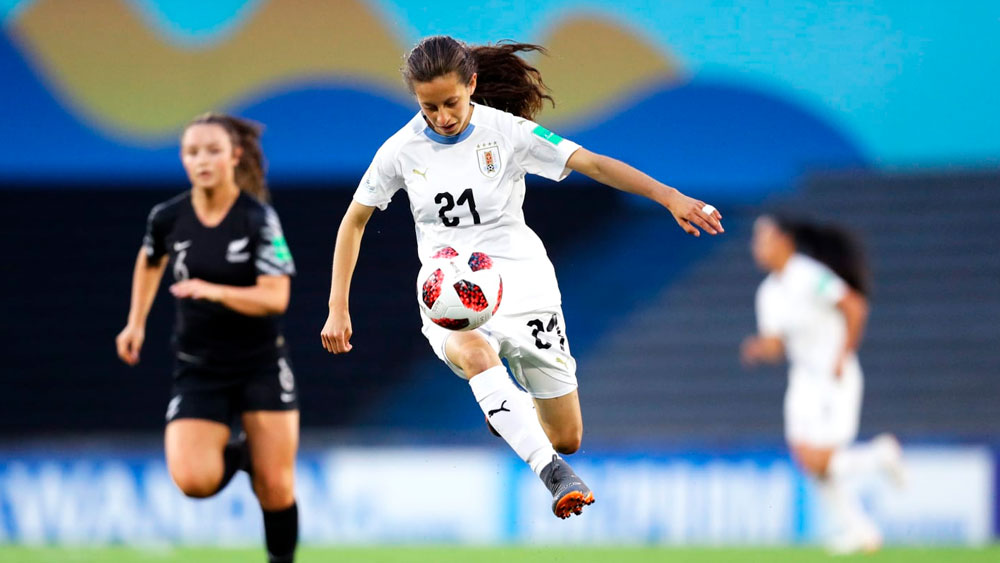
(193, 484)
(477, 360)
(814, 462)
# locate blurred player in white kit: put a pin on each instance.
(811, 310)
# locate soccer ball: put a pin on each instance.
(459, 291)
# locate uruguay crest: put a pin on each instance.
(489, 160)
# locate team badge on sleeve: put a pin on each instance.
(489, 159)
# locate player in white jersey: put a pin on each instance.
(462, 160)
(812, 309)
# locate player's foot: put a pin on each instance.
(892, 458)
(856, 541)
(569, 493)
(490, 426)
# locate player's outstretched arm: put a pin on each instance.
(145, 281)
(689, 213)
(336, 333)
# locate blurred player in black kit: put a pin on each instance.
(232, 270)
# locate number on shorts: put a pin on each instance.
(553, 325)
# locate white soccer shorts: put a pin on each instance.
(824, 412)
(534, 345)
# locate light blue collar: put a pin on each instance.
(449, 140)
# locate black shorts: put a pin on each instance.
(223, 394)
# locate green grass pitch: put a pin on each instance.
(499, 554)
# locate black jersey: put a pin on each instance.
(246, 244)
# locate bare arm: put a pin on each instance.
(687, 211)
(854, 306)
(758, 349)
(336, 333)
(269, 296)
(146, 278)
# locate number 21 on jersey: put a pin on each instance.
(448, 203)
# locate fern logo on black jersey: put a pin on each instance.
(236, 252)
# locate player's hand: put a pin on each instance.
(692, 213)
(838, 370)
(129, 342)
(197, 289)
(757, 349)
(337, 332)
(750, 351)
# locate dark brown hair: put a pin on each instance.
(245, 134)
(836, 247)
(505, 80)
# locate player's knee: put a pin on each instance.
(193, 483)
(814, 462)
(821, 467)
(568, 441)
(476, 360)
(274, 489)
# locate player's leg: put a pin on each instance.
(880, 454)
(814, 460)
(508, 409)
(511, 413)
(274, 438)
(271, 421)
(197, 432)
(823, 422)
(194, 455)
(538, 351)
(852, 459)
(562, 421)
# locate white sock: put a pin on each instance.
(849, 518)
(860, 458)
(513, 416)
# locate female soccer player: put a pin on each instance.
(232, 272)
(812, 309)
(462, 161)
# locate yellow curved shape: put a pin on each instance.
(102, 60)
(109, 66)
(593, 64)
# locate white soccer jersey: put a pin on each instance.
(466, 192)
(799, 305)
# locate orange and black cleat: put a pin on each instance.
(569, 493)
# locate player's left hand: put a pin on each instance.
(196, 289)
(838, 370)
(691, 214)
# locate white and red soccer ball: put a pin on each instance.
(459, 291)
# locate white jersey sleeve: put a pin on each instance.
(830, 288)
(540, 151)
(382, 179)
(816, 281)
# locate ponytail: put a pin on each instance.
(836, 247)
(245, 134)
(505, 80)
